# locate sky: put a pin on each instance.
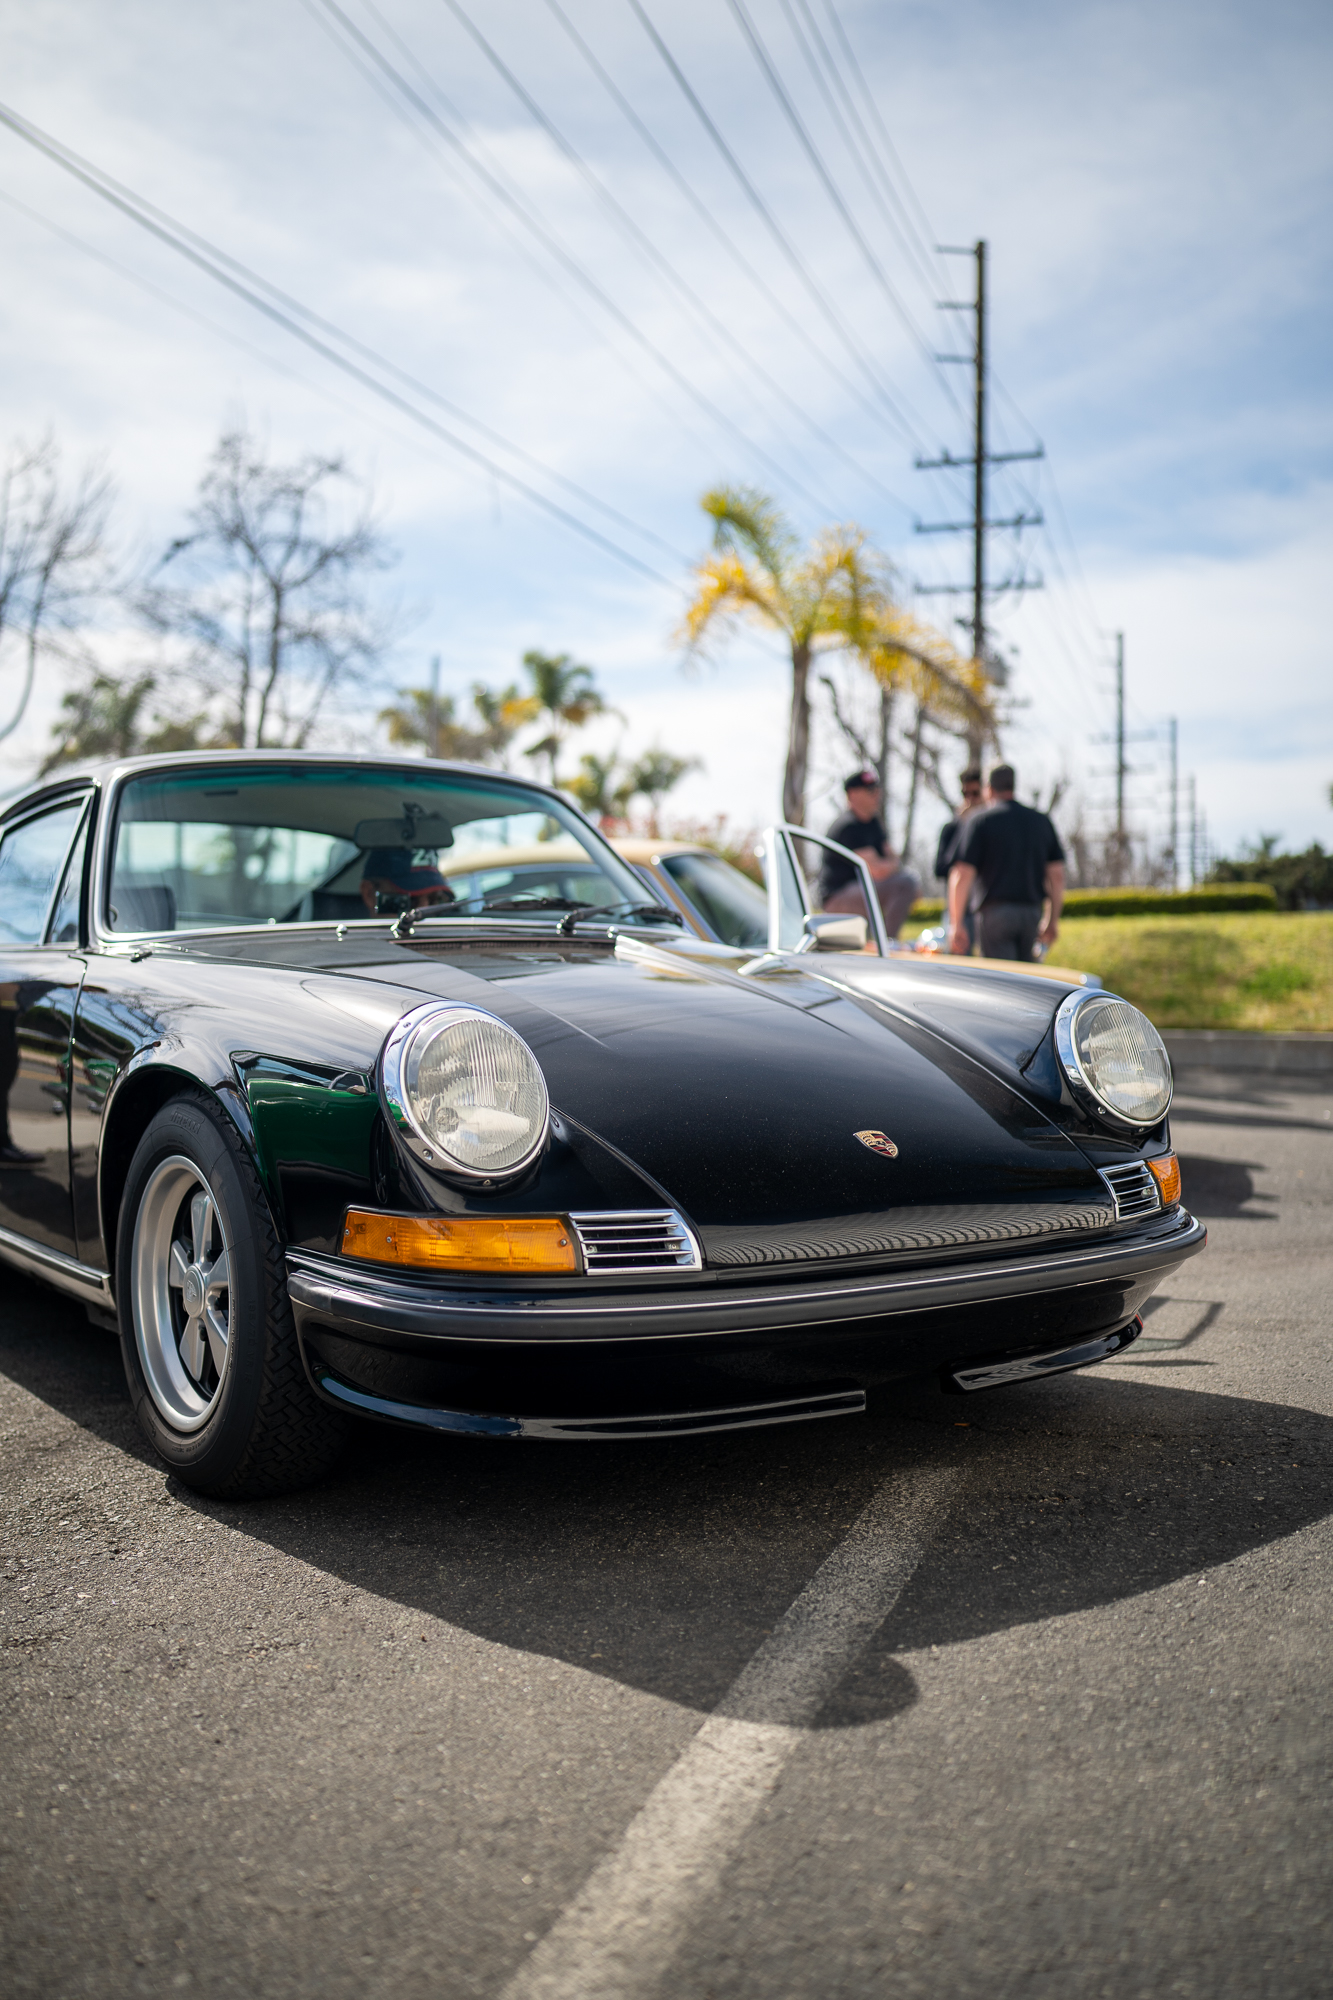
(546, 235)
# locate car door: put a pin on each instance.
(41, 967)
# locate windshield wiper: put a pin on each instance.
(574, 913)
(647, 912)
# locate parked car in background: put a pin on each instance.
(715, 900)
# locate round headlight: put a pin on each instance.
(465, 1092)
(1114, 1058)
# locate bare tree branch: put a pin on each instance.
(53, 563)
(274, 607)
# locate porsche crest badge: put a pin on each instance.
(878, 1142)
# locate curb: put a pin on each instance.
(1230, 1049)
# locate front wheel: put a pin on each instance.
(207, 1335)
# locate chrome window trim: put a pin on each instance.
(47, 939)
(393, 1092)
(787, 835)
(112, 783)
(41, 808)
(1081, 1087)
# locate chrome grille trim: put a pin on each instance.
(636, 1239)
(1134, 1189)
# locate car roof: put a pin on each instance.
(101, 771)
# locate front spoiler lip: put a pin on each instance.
(680, 1420)
(322, 1288)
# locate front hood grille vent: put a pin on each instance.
(1134, 1189)
(636, 1239)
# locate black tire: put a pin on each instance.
(248, 1424)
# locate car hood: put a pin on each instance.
(740, 1100)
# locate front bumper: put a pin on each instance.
(507, 1362)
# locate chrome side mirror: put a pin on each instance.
(827, 931)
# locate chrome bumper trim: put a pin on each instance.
(1055, 1361)
(322, 1288)
(38, 1260)
(574, 1429)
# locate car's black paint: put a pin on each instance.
(675, 1082)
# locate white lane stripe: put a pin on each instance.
(618, 1936)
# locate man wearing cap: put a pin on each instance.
(861, 829)
(402, 880)
(1012, 855)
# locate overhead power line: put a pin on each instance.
(497, 213)
(625, 221)
(212, 262)
(909, 427)
(768, 69)
(920, 223)
(736, 255)
(860, 147)
(542, 232)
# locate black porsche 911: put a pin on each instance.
(334, 1110)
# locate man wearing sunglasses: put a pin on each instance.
(951, 839)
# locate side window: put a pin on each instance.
(64, 926)
(32, 856)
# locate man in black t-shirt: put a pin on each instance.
(1013, 853)
(862, 829)
(951, 840)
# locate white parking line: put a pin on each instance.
(617, 1937)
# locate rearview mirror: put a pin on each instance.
(411, 830)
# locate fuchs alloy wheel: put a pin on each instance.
(206, 1329)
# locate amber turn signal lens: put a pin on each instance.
(461, 1242)
(1166, 1173)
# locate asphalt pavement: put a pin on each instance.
(1025, 1693)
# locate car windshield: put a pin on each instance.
(274, 844)
(734, 908)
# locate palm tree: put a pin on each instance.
(567, 693)
(833, 594)
(599, 787)
(422, 718)
(655, 774)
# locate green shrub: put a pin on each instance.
(1216, 899)
(1298, 880)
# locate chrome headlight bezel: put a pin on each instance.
(405, 1039)
(1082, 1087)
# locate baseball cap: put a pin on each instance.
(396, 865)
(866, 780)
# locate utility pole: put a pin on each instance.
(435, 706)
(1120, 766)
(979, 468)
(979, 459)
(1173, 848)
(1194, 834)
(1118, 844)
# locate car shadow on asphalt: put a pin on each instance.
(663, 1566)
(1216, 1188)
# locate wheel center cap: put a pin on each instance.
(192, 1291)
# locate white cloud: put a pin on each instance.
(1152, 181)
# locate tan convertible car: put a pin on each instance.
(717, 901)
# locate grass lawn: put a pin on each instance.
(1265, 973)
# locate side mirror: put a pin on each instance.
(831, 932)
